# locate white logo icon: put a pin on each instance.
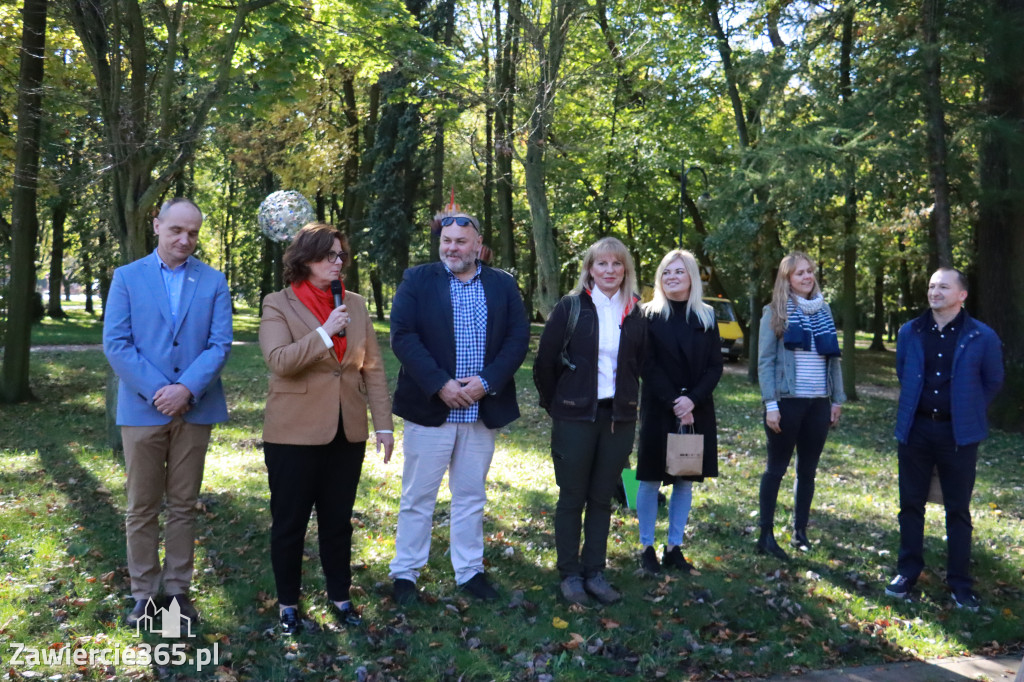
(170, 621)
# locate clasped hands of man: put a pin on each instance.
(463, 392)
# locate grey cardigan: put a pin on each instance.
(776, 366)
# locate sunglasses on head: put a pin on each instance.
(461, 221)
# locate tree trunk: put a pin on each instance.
(150, 127)
(56, 279)
(24, 219)
(940, 247)
(766, 250)
(878, 318)
(487, 219)
(550, 47)
(87, 280)
(545, 249)
(506, 58)
(1000, 233)
(378, 293)
(849, 218)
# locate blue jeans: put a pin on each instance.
(930, 444)
(678, 510)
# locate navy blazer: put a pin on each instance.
(977, 377)
(423, 339)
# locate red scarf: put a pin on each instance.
(321, 303)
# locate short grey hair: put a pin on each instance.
(174, 202)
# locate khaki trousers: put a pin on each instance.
(163, 461)
(465, 452)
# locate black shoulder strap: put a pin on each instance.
(570, 329)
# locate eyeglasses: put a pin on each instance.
(336, 256)
(461, 221)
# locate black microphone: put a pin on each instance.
(339, 297)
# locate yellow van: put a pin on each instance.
(728, 327)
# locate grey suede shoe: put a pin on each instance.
(598, 588)
(572, 590)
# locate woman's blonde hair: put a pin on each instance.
(782, 291)
(612, 247)
(659, 304)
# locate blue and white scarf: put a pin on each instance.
(810, 318)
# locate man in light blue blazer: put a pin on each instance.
(167, 335)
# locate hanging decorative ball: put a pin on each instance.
(283, 213)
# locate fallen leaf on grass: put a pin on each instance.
(575, 642)
(609, 624)
(559, 623)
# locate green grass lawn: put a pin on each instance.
(62, 554)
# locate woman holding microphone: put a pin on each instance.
(325, 368)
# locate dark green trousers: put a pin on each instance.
(589, 458)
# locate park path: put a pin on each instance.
(935, 670)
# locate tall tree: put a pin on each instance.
(62, 203)
(505, 77)
(765, 248)
(849, 212)
(549, 42)
(1000, 231)
(25, 223)
(941, 252)
(155, 95)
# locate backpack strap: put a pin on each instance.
(570, 329)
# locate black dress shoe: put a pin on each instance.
(346, 614)
(800, 540)
(479, 588)
(291, 624)
(405, 592)
(766, 545)
(185, 607)
(143, 608)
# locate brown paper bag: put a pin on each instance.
(684, 454)
(935, 490)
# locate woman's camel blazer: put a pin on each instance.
(307, 383)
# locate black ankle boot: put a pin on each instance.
(766, 544)
(800, 540)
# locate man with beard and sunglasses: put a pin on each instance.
(460, 330)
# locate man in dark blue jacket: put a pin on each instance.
(950, 367)
(460, 331)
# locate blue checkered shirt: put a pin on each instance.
(469, 305)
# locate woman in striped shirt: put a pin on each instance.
(802, 389)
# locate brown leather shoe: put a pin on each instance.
(185, 606)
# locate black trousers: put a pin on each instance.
(929, 445)
(588, 459)
(304, 477)
(805, 423)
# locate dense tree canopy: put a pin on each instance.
(866, 133)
